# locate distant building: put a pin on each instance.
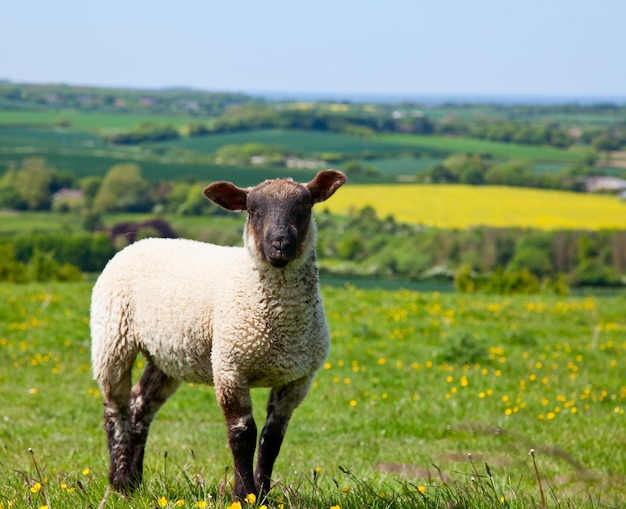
(68, 200)
(604, 184)
(68, 194)
(309, 164)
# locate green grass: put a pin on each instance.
(88, 121)
(415, 382)
(20, 139)
(87, 165)
(84, 154)
(307, 142)
(548, 167)
(497, 149)
(402, 166)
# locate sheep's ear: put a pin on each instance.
(226, 195)
(325, 183)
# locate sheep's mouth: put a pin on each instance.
(280, 252)
(279, 263)
(279, 258)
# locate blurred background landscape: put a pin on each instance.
(473, 268)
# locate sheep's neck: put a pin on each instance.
(302, 277)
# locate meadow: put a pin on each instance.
(462, 206)
(307, 142)
(84, 154)
(453, 144)
(96, 121)
(80, 149)
(427, 400)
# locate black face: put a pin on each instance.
(278, 221)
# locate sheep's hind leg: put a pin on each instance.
(282, 402)
(117, 426)
(147, 397)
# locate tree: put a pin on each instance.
(513, 173)
(353, 168)
(534, 260)
(32, 183)
(90, 186)
(468, 168)
(440, 174)
(196, 204)
(123, 189)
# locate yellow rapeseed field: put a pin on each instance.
(461, 206)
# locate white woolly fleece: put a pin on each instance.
(204, 313)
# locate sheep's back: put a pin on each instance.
(158, 296)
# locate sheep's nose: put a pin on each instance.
(281, 243)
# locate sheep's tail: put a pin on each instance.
(113, 348)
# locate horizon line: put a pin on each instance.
(509, 98)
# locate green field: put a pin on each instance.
(16, 138)
(87, 121)
(83, 165)
(402, 166)
(84, 154)
(307, 142)
(452, 144)
(430, 400)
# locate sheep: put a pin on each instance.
(232, 317)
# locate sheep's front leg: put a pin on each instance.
(282, 402)
(237, 408)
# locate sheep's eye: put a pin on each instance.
(252, 212)
(305, 210)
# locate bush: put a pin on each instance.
(463, 349)
(41, 267)
(595, 273)
(503, 282)
(88, 252)
(511, 282)
(533, 259)
(11, 269)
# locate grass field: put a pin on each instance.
(429, 400)
(453, 144)
(458, 206)
(307, 142)
(21, 139)
(81, 150)
(85, 164)
(84, 154)
(88, 121)
(403, 167)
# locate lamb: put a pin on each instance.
(232, 317)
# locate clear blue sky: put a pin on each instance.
(407, 47)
